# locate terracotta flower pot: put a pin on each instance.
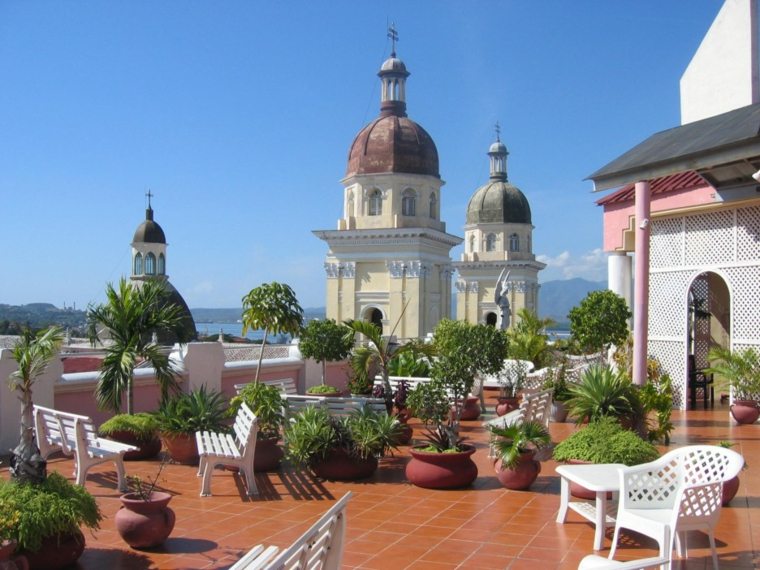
(433, 470)
(470, 410)
(58, 551)
(182, 448)
(559, 412)
(745, 411)
(507, 404)
(268, 455)
(144, 524)
(579, 491)
(340, 466)
(149, 448)
(730, 488)
(521, 477)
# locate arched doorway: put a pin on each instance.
(709, 318)
(491, 319)
(375, 316)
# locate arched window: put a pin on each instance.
(514, 242)
(161, 264)
(491, 319)
(150, 264)
(375, 203)
(472, 243)
(138, 269)
(433, 205)
(490, 242)
(409, 203)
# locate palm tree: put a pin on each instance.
(528, 339)
(273, 308)
(377, 352)
(32, 353)
(130, 317)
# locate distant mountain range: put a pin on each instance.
(556, 298)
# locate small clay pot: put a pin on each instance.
(145, 524)
(507, 404)
(521, 477)
(745, 411)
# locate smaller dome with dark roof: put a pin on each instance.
(149, 231)
(498, 202)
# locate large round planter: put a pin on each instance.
(559, 412)
(340, 466)
(144, 524)
(730, 488)
(58, 551)
(182, 448)
(149, 448)
(506, 405)
(441, 470)
(268, 455)
(521, 477)
(745, 411)
(470, 409)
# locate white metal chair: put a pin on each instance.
(319, 548)
(648, 494)
(596, 562)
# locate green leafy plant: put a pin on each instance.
(34, 511)
(314, 433)
(605, 441)
(738, 368)
(273, 308)
(657, 396)
(603, 392)
(143, 425)
(528, 339)
(266, 403)
(413, 362)
(186, 413)
(511, 441)
(32, 354)
(325, 341)
(322, 389)
(555, 380)
(601, 319)
(129, 318)
(359, 382)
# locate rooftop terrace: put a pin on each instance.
(392, 524)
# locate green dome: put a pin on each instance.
(498, 202)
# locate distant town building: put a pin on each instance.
(498, 235)
(390, 253)
(149, 262)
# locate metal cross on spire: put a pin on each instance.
(393, 35)
(497, 127)
(149, 195)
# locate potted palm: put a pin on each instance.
(342, 448)
(324, 341)
(42, 513)
(183, 414)
(741, 370)
(515, 446)
(267, 404)
(273, 308)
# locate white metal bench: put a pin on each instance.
(225, 449)
(76, 436)
(285, 385)
(319, 548)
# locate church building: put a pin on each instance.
(498, 238)
(149, 262)
(389, 258)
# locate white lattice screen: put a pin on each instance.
(681, 249)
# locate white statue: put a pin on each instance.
(501, 298)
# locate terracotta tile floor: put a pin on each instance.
(394, 525)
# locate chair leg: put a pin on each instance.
(711, 536)
(121, 475)
(201, 465)
(613, 546)
(206, 484)
(250, 480)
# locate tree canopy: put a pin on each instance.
(601, 319)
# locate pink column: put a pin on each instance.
(641, 285)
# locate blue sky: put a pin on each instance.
(239, 116)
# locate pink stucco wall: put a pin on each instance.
(617, 216)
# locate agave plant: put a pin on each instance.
(200, 410)
(603, 392)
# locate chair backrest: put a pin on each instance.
(320, 547)
(538, 407)
(284, 385)
(698, 504)
(344, 406)
(62, 430)
(654, 484)
(246, 428)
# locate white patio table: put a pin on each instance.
(601, 479)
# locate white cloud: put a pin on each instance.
(591, 265)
